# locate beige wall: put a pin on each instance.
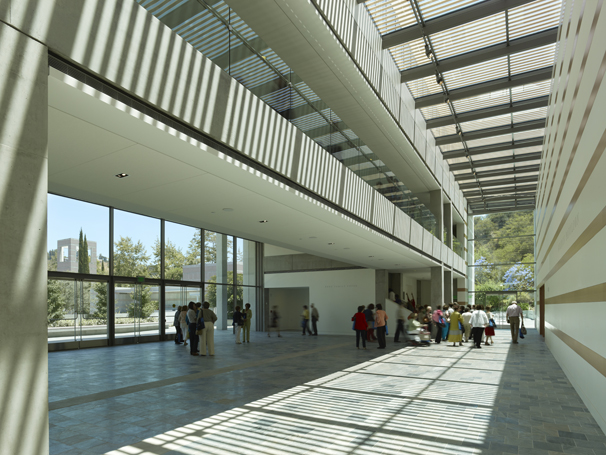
(571, 205)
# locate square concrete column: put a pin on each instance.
(222, 278)
(470, 260)
(23, 275)
(437, 287)
(461, 288)
(249, 295)
(381, 286)
(448, 223)
(447, 285)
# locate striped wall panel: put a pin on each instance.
(571, 204)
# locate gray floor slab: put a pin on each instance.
(300, 395)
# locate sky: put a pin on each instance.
(67, 216)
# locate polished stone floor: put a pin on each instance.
(301, 395)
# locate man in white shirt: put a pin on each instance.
(514, 313)
(478, 322)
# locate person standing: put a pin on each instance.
(193, 338)
(274, 321)
(247, 321)
(380, 324)
(238, 323)
(208, 334)
(305, 320)
(466, 324)
(183, 324)
(455, 334)
(400, 325)
(177, 324)
(315, 317)
(438, 321)
(489, 331)
(370, 320)
(478, 321)
(513, 314)
(360, 326)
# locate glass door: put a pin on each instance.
(91, 310)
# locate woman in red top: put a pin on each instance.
(360, 326)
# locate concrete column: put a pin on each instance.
(23, 195)
(221, 278)
(436, 207)
(448, 223)
(470, 260)
(381, 286)
(461, 289)
(249, 295)
(437, 287)
(447, 285)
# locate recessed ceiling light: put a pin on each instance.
(227, 209)
(331, 243)
(121, 176)
(313, 237)
(263, 221)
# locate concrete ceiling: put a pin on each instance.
(92, 138)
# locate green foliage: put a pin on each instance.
(174, 260)
(130, 259)
(51, 259)
(142, 306)
(101, 306)
(83, 259)
(58, 296)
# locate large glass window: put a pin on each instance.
(136, 245)
(182, 252)
(140, 296)
(504, 260)
(77, 236)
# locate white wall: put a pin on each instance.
(290, 303)
(337, 294)
(571, 208)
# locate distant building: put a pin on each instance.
(67, 255)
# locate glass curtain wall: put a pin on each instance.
(157, 266)
(504, 262)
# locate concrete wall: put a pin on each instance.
(336, 294)
(300, 262)
(23, 193)
(571, 206)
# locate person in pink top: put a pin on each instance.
(360, 326)
(438, 318)
(380, 323)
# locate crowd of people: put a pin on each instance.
(452, 323)
(196, 322)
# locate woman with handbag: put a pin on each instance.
(439, 322)
(489, 330)
(360, 326)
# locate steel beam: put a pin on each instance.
(506, 190)
(450, 20)
(496, 161)
(503, 146)
(490, 132)
(324, 130)
(493, 111)
(503, 49)
(489, 183)
(498, 172)
(505, 197)
(495, 85)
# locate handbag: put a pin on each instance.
(523, 330)
(461, 327)
(492, 324)
(441, 322)
(200, 325)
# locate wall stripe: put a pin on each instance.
(589, 294)
(590, 356)
(598, 223)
